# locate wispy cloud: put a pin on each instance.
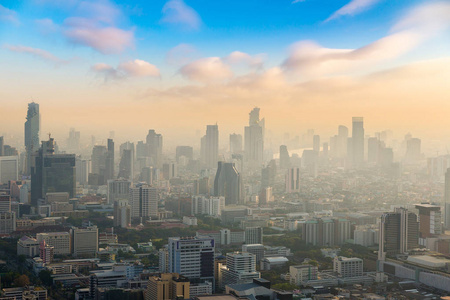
(311, 60)
(179, 13)
(133, 68)
(46, 26)
(297, 1)
(352, 8)
(8, 15)
(181, 54)
(39, 53)
(208, 69)
(253, 61)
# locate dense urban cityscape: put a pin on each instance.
(306, 178)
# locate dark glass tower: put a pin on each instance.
(32, 127)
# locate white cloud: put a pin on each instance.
(133, 68)
(237, 57)
(8, 15)
(179, 13)
(207, 69)
(297, 1)
(42, 54)
(309, 59)
(181, 54)
(352, 8)
(46, 26)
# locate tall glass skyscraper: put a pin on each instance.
(32, 127)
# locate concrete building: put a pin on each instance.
(293, 180)
(302, 273)
(46, 252)
(256, 249)
(348, 267)
(253, 235)
(268, 263)
(430, 221)
(9, 168)
(168, 286)
(85, 241)
(240, 268)
(122, 213)
(357, 141)
(28, 246)
(192, 257)
(118, 189)
(60, 241)
(143, 200)
(209, 152)
(227, 183)
(7, 222)
(32, 129)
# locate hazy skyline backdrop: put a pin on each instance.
(177, 66)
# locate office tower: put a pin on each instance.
(126, 165)
(154, 148)
(235, 143)
(386, 157)
(254, 235)
(301, 274)
(293, 180)
(122, 213)
(143, 200)
(227, 183)
(357, 141)
(45, 252)
(5, 203)
(399, 233)
(430, 221)
(147, 175)
(73, 142)
(32, 127)
(170, 171)
(413, 150)
(186, 151)
(141, 149)
(266, 196)
(7, 222)
(373, 150)
(27, 246)
(98, 161)
(85, 241)
(348, 267)
(192, 257)
(109, 161)
(52, 173)
(2, 143)
(256, 249)
(210, 147)
(254, 139)
(83, 168)
(240, 268)
(168, 286)
(341, 141)
(60, 241)
(325, 150)
(447, 199)
(285, 160)
(268, 174)
(118, 189)
(9, 168)
(316, 143)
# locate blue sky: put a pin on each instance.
(217, 55)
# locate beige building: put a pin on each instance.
(28, 246)
(85, 241)
(302, 273)
(60, 241)
(167, 286)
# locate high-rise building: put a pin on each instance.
(7, 222)
(118, 189)
(430, 221)
(256, 249)
(32, 128)
(254, 235)
(143, 200)
(285, 160)
(192, 257)
(9, 168)
(126, 165)
(98, 160)
(170, 170)
(154, 147)
(399, 233)
(85, 241)
(358, 141)
(316, 143)
(240, 268)
(60, 241)
(413, 150)
(341, 141)
(210, 146)
(227, 183)
(45, 252)
(5, 203)
(293, 180)
(109, 162)
(268, 174)
(254, 139)
(447, 200)
(348, 267)
(235, 143)
(326, 232)
(83, 168)
(122, 213)
(51, 173)
(373, 150)
(73, 142)
(2, 143)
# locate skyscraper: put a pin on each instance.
(293, 180)
(122, 213)
(51, 172)
(358, 141)
(73, 142)
(227, 183)
(126, 169)
(118, 189)
(254, 139)
(240, 268)
(235, 143)
(32, 127)
(447, 200)
(2, 143)
(316, 143)
(109, 163)
(399, 233)
(210, 146)
(192, 257)
(143, 200)
(285, 159)
(154, 147)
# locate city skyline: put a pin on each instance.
(187, 64)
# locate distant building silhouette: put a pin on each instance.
(228, 183)
(32, 129)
